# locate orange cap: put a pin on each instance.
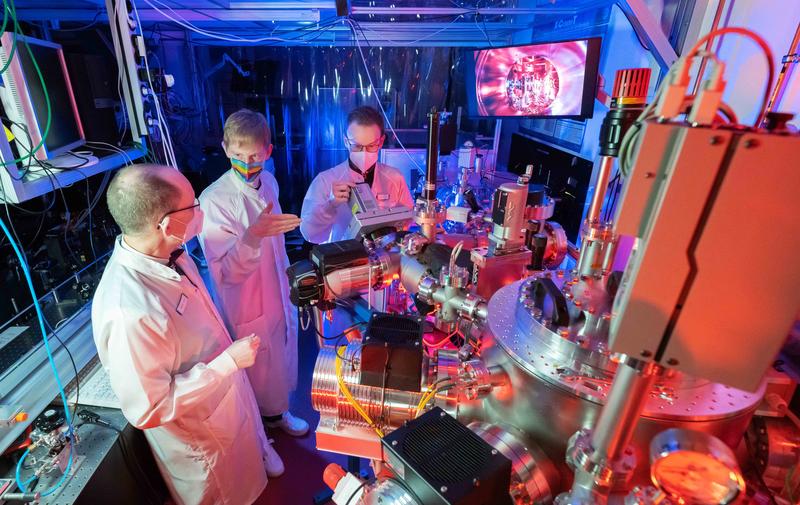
(332, 475)
(21, 417)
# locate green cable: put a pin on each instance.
(18, 32)
(14, 39)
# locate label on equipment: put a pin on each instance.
(458, 214)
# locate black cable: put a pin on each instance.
(359, 488)
(135, 469)
(85, 27)
(340, 335)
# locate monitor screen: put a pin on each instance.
(64, 129)
(556, 79)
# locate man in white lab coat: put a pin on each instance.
(171, 362)
(243, 242)
(325, 214)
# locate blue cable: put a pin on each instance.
(62, 394)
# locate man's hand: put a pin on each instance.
(340, 192)
(244, 350)
(269, 225)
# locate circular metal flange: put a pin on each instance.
(587, 373)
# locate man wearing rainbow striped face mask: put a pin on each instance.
(243, 242)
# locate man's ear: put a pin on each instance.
(224, 148)
(269, 152)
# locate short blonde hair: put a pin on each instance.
(246, 125)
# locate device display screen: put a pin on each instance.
(553, 79)
(64, 129)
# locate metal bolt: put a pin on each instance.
(646, 353)
(476, 482)
(443, 489)
(494, 452)
(649, 175)
(750, 143)
(672, 362)
(441, 414)
(716, 139)
(394, 442)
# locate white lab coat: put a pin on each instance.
(324, 221)
(161, 341)
(251, 283)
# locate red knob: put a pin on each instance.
(332, 475)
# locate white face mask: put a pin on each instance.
(193, 227)
(363, 160)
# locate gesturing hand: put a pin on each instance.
(268, 224)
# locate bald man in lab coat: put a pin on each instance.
(179, 376)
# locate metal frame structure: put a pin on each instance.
(648, 27)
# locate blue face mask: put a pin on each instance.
(247, 171)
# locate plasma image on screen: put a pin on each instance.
(535, 80)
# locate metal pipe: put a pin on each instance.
(626, 400)
(432, 157)
(789, 63)
(454, 11)
(599, 195)
(573, 251)
(319, 318)
(704, 61)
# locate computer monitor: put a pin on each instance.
(554, 79)
(23, 97)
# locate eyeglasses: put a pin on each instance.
(355, 147)
(195, 204)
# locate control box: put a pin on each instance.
(444, 463)
(391, 353)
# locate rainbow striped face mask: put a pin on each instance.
(247, 171)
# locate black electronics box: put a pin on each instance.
(337, 255)
(391, 353)
(444, 463)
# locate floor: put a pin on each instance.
(304, 464)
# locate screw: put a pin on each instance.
(649, 175)
(441, 414)
(394, 442)
(443, 489)
(646, 353)
(750, 143)
(672, 362)
(716, 139)
(494, 452)
(476, 482)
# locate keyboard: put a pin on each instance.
(96, 391)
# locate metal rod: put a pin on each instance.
(789, 64)
(626, 400)
(603, 175)
(704, 61)
(318, 324)
(454, 11)
(432, 159)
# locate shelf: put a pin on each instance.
(17, 191)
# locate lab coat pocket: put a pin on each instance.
(225, 423)
(262, 326)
